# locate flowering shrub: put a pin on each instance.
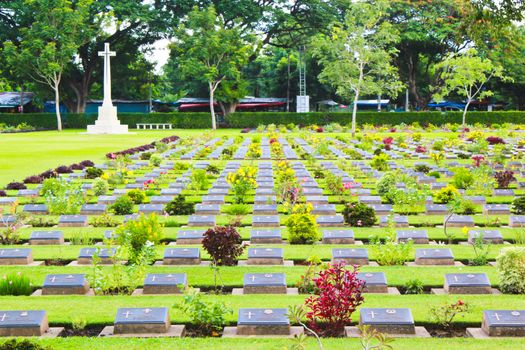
(224, 244)
(340, 293)
(504, 178)
(138, 237)
(301, 225)
(437, 157)
(254, 151)
(446, 194)
(63, 197)
(242, 182)
(511, 270)
(380, 162)
(100, 187)
(420, 149)
(388, 141)
(494, 140)
(359, 214)
(15, 186)
(445, 314)
(463, 178)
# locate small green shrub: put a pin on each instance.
(139, 235)
(414, 286)
(93, 173)
(463, 178)
(137, 196)
(518, 205)
(122, 206)
(510, 264)
(155, 159)
(301, 225)
(237, 209)
(104, 220)
(100, 187)
(359, 215)
(179, 206)
(21, 344)
(15, 284)
(380, 162)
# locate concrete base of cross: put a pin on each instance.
(107, 122)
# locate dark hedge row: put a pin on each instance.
(253, 119)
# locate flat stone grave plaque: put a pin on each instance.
(399, 221)
(85, 257)
(218, 191)
(264, 191)
(323, 209)
(36, 209)
(30, 323)
(264, 199)
(504, 323)
(489, 236)
(46, 237)
(165, 192)
(264, 283)
(138, 186)
(476, 199)
(65, 284)
(142, 320)
(312, 191)
(390, 321)
(182, 256)
(263, 322)
(434, 257)
(350, 256)
(8, 201)
(213, 199)
(460, 221)
(177, 185)
(107, 199)
(201, 220)
(161, 199)
(338, 237)
(266, 236)
(265, 221)
(317, 199)
(72, 220)
(265, 184)
(16, 256)
(517, 221)
(436, 209)
(28, 193)
(164, 283)
(496, 209)
(265, 209)
(375, 282)
(110, 235)
(330, 220)
(151, 208)
(467, 283)
(265, 256)
(382, 209)
(370, 199)
(190, 236)
(417, 236)
(119, 191)
(503, 193)
(207, 209)
(93, 209)
(131, 217)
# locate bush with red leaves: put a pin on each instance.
(63, 170)
(319, 129)
(48, 174)
(420, 149)
(224, 244)
(87, 163)
(2, 193)
(76, 166)
(388, 141)
(35, 179)
(245, 130)
(504, 178)
(15, 186)
(340, 293)
(494, 140)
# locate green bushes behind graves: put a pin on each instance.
(202, 120)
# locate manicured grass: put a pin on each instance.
(75, 343)
(27, 154)
(62, 309)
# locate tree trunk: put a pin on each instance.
(354, 112)
(57, 106)
(212, 108)
(228, 107)
(465, 112)
(288, 86)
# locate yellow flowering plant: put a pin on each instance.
(242, 182)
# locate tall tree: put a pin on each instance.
(49, 44)
(356, 57)
(210, 52)
(467, 74)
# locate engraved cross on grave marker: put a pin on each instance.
(497, 316)
(372, 314)
(4, 316)
(128, 313)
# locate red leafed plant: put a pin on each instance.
(478, 159)
(420, 149)
(340, 293)
(224, 244)
(388, 141)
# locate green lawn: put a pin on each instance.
(27, 154)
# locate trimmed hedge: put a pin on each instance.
(194, 120)
(252, 120)
(81, 121)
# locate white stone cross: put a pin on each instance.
(107, 73)
(3, 317)
(497, 316)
